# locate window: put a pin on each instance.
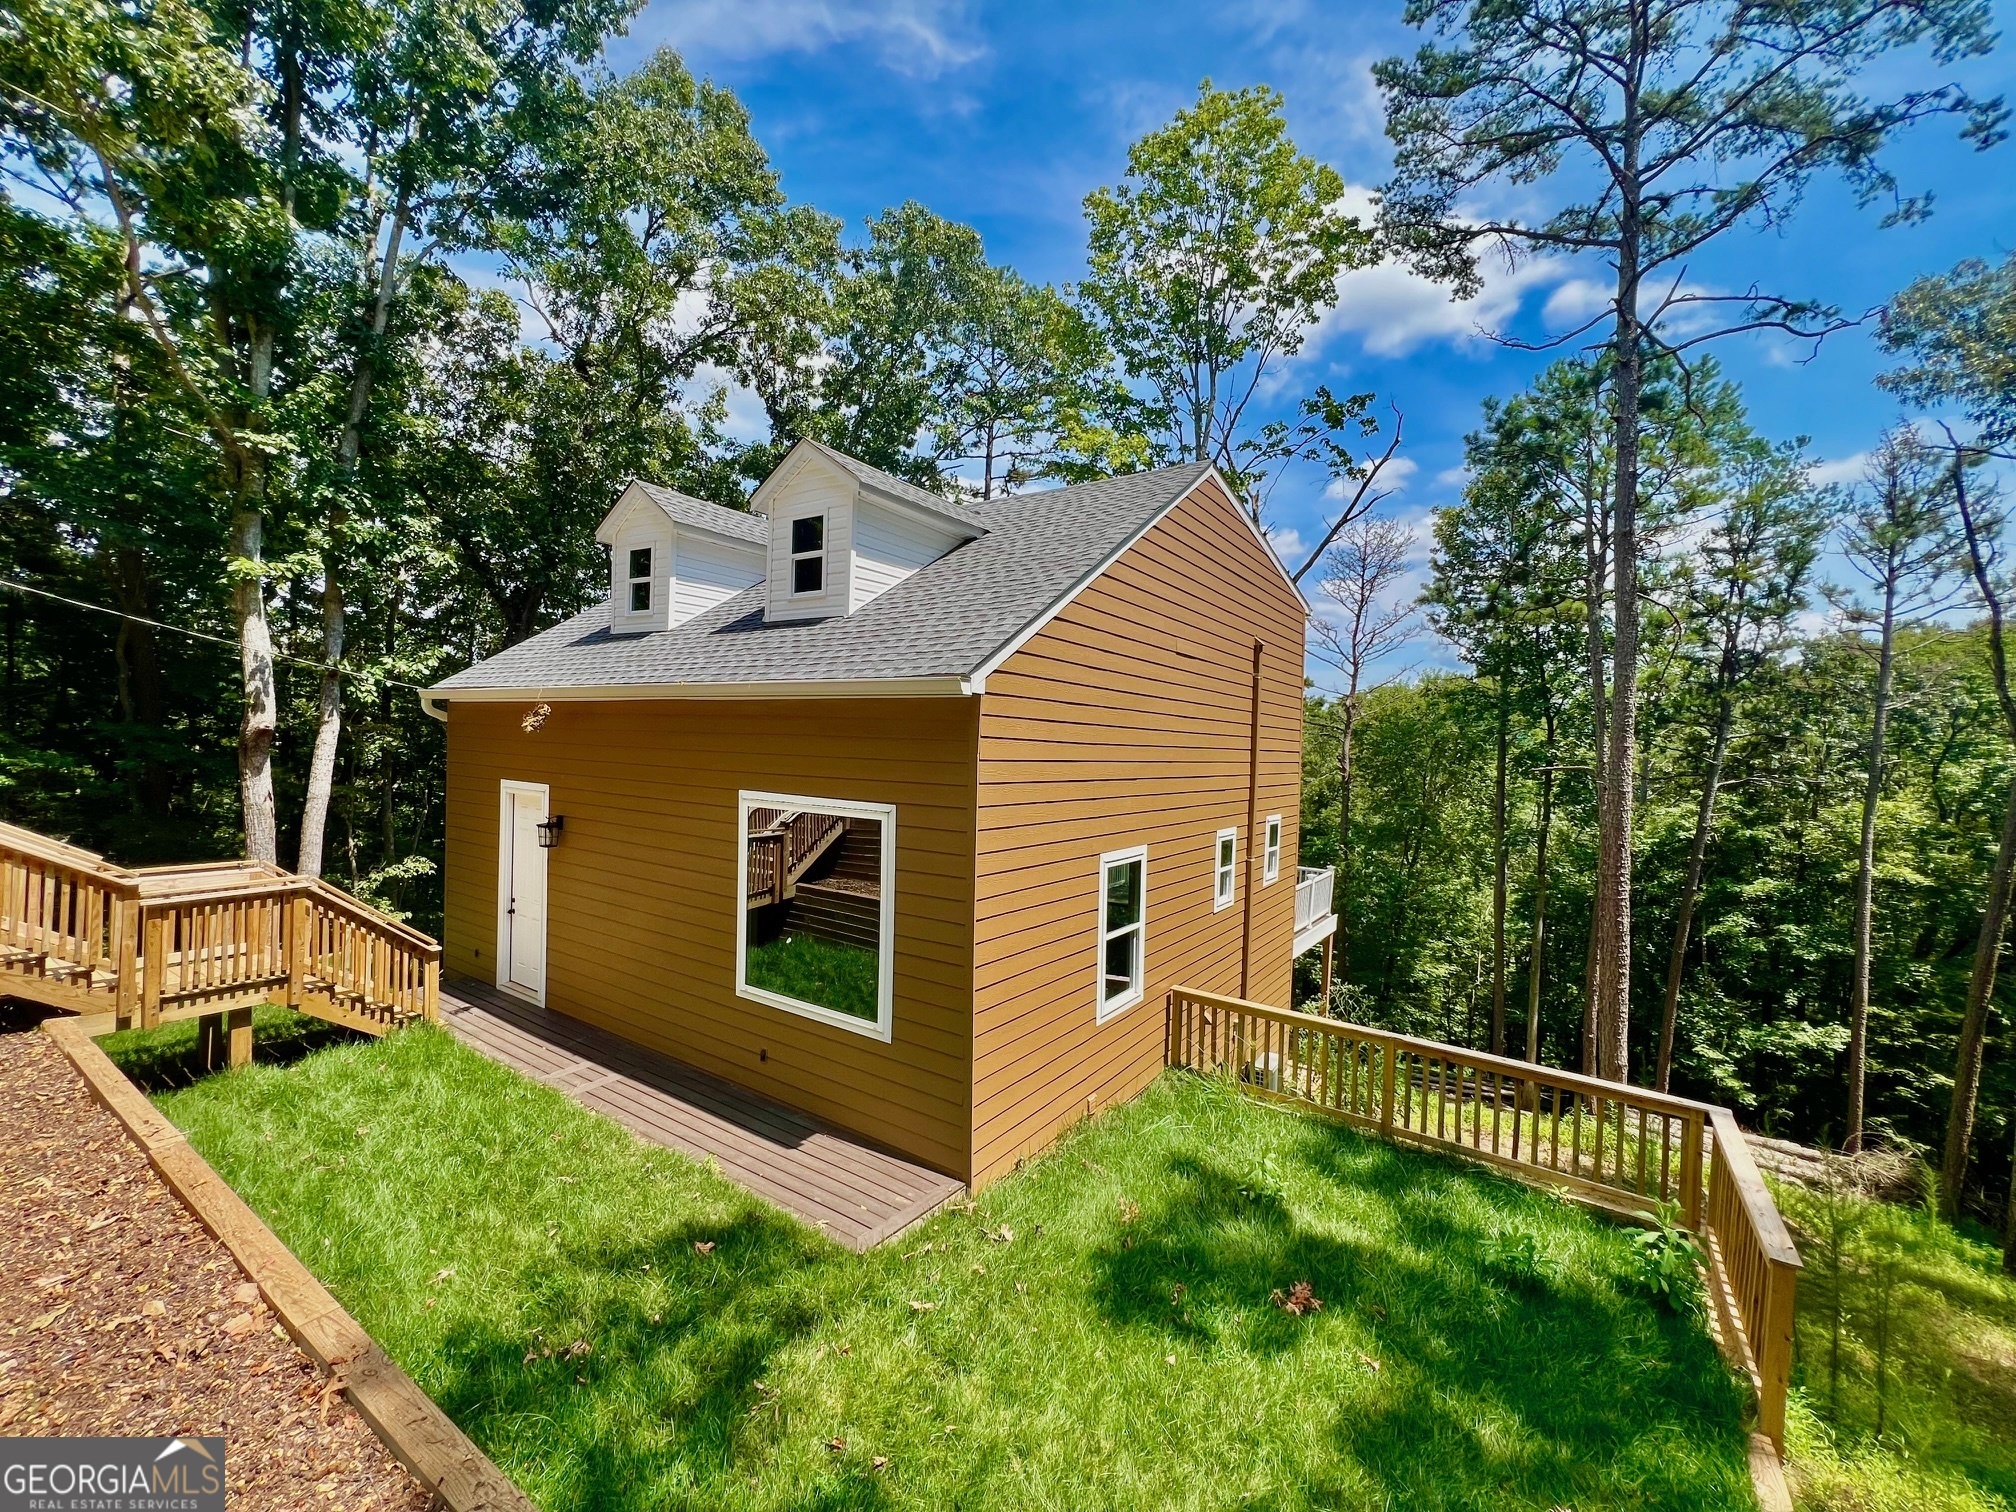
(1225, 885)
(1271, 870)
(640, 579)
(808, 554)
(815, 909)
(1123, 929)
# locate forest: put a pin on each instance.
(335, 328)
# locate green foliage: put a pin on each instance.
(840, 977)
(1207, 267)
(480, 1225)
(1669, 1261)
(1903, 1395)
(1959, 330)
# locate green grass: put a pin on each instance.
(1949, 1433)
(840, 977)
(1119, 1351)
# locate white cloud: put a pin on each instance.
(1574, 302)
(922, 38)
(1392, 478)
(1453, 477)
(1840, 470)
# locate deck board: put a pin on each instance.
(852, 1191)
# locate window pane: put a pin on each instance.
(640, 562)
(808, 574)
(1123, 895)
(812, 883)
(640, 595)
(808, 534)
(1225, 851)
(1121, 964)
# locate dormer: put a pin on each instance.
(672, 556)
(843, 533)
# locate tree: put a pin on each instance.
(1208, 265)
(1897, 537)
(1960, 329)
(1366, 623)
(1754, 565)
(1979, 526)
(1689, 118)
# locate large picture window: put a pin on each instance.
(815, 924)
(1123, 929)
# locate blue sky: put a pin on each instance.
(1006, 116)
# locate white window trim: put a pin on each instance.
(1104, 1011)
(1224, 879)
(885, 976)
(631, 580)
(795, 557)
(1271, 870)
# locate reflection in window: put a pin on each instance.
(816, 910)
(1123, 912)
(640, 579)
(1224, 884)
(1272, 869)
(808, 554)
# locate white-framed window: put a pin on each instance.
(1271, 869)
(639, 577)
(1225, 869)
(1123, 930)
(808, 554)
(815, 908)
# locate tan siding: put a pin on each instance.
(1126, 721)
(641, 929)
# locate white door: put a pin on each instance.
(523, 955)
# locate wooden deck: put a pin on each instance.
(857, 1194)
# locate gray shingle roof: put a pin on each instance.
(945, 620)
(687, 510)
(900, 488)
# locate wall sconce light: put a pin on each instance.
(549, 831)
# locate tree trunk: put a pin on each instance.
(1865, 880)
(1613, 891)
(1498, 883)
(1697, 857)
(1974, 1027)
(328, 725)
(1342, 890)
(329, 705)
(1596, 568)
(1539, 935)
(255, 656)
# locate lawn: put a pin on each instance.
(840, 977)
(620, 1328)
(1948, 1428)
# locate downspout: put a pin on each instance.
(1252, 826)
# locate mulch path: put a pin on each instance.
(121, 1315)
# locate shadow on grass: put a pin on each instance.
(164, 1059)
(1543, 1380)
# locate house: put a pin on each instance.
(902, 811)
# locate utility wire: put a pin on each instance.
(201, 635)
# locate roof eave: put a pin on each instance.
(942, 686)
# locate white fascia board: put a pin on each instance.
(605, 532)
(873, 687)
(783, 472)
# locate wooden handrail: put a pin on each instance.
(1520, 1117)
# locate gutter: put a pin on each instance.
(436, 700)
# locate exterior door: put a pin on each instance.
(522, 950)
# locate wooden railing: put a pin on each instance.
(783, 849)
(140, 947)
(1627, 1149)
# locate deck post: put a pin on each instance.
(298, 926)
(155, 969)
(125, 960)
(238, 1030)
(430, 1007)
(210, 1050)
(1386, 1090)
(1693, 1131)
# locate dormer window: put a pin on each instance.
(808, 554)
(640, 579)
